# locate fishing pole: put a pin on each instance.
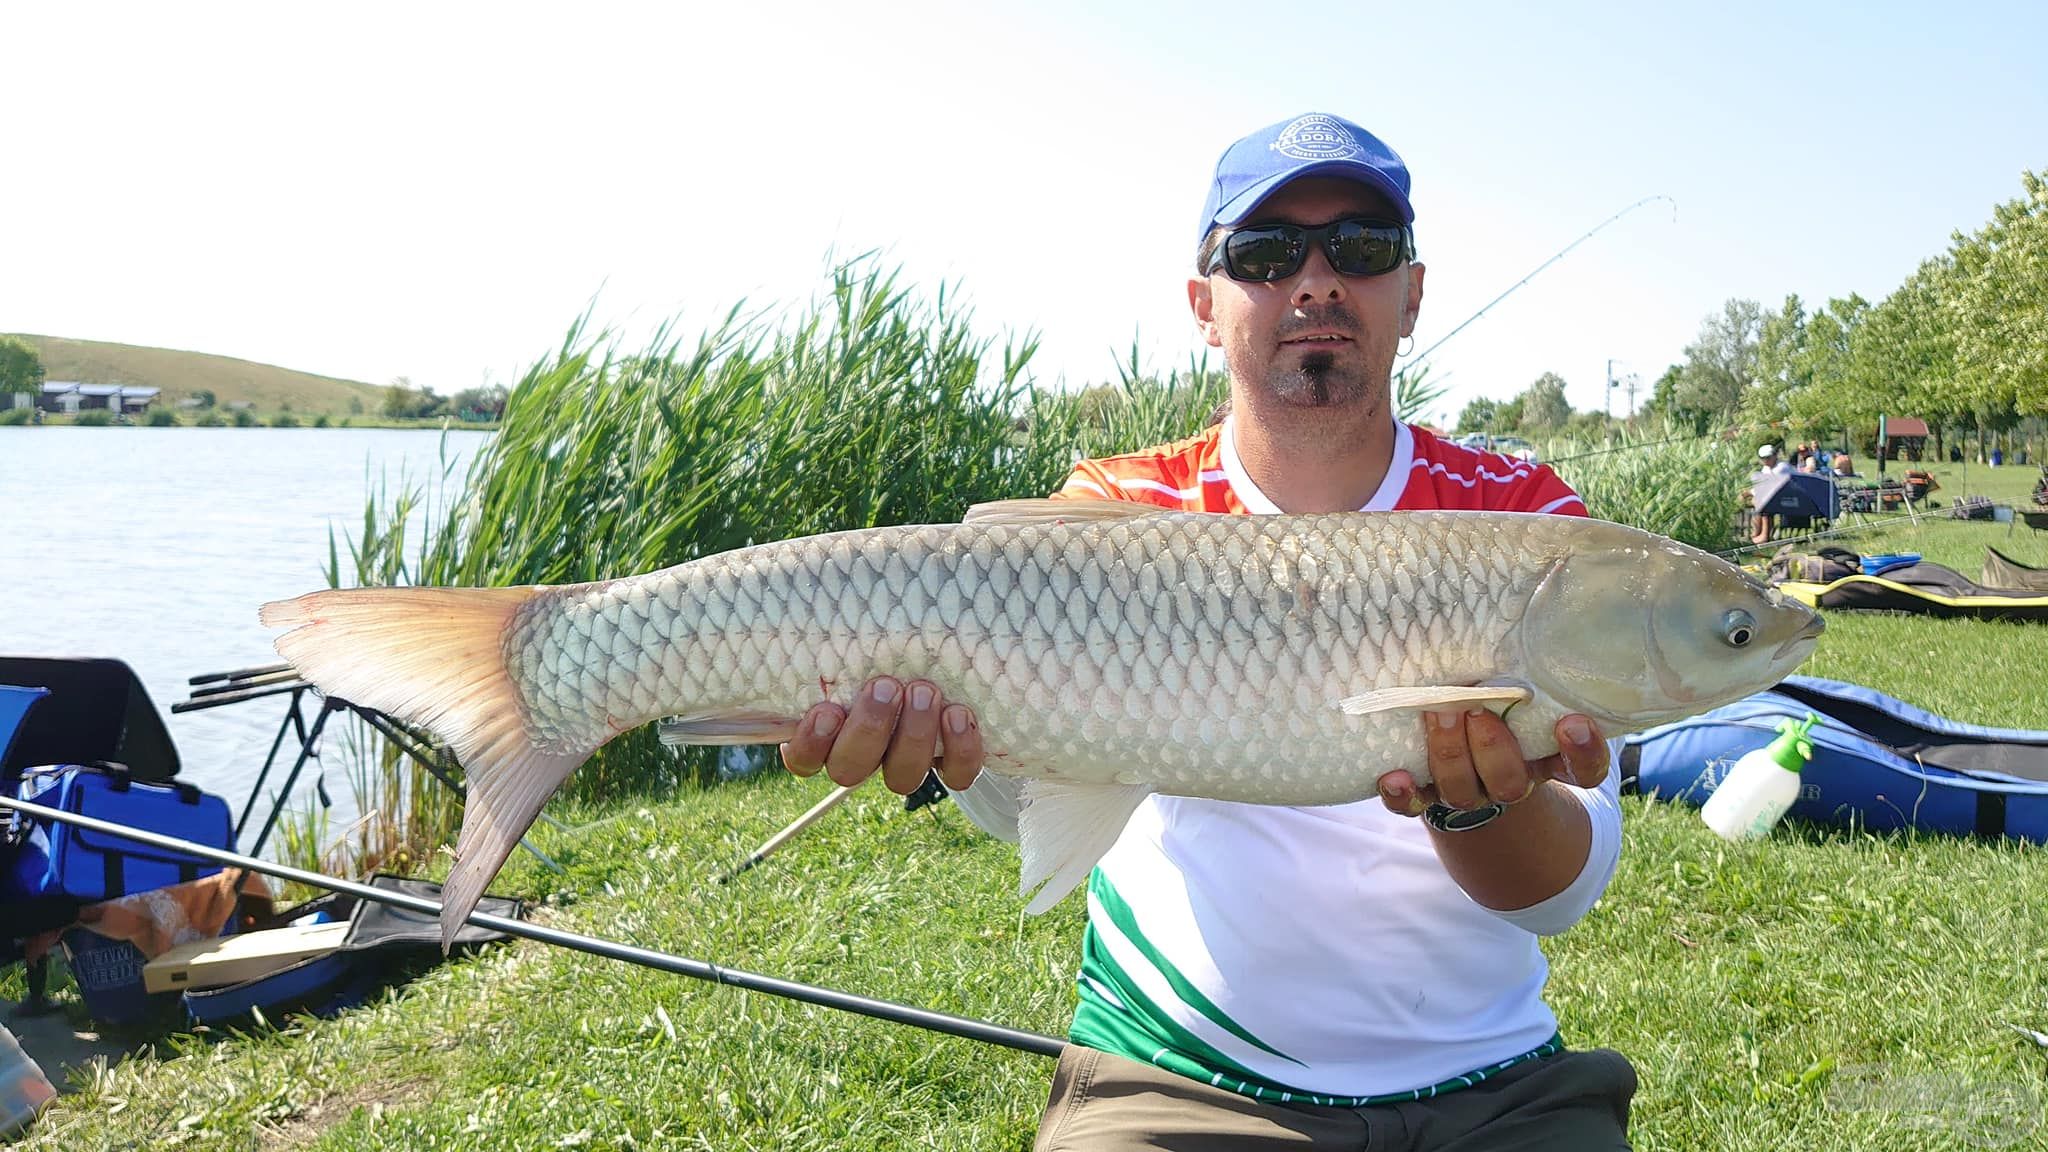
(1033, 1042)
(830, 802)
(1547, 263)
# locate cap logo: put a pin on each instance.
(1317, 137)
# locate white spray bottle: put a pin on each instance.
(1761, 785)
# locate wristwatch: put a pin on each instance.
(1445, 818)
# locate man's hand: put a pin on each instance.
(1474, 760)
(895, 727)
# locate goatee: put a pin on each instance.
(1318, 382)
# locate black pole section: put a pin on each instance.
(645, 957)
(239, 673)
(256, 789)
(327, 708)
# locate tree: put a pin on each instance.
(1544, 406)
(1664, 403)
(1721, 365)
(403, 401)
(478, 404)
(21, 368)
(1999, 306)
(1780, 369)
(1481, 414)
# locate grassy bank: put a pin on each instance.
(1826, 989)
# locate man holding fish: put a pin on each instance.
(1239, 718)
(1348, 976)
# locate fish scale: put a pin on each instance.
(1268, 616)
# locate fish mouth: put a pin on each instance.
(1807, 635)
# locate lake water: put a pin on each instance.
(156, 546)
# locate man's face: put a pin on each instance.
(1316, 339)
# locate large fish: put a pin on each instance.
(1111, 649)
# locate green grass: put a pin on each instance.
(1825, 989)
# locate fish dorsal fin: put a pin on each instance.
(1022, 512)
(1063, 829)
(1445, 696)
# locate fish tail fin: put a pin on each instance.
(434, 657)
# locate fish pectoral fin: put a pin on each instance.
(1022, 512)
(1064, 828)
(993, 802)
(1432, 697)
(740, 726)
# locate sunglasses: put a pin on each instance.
(1356, 247)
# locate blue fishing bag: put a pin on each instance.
(1878, 762)
(56, 860)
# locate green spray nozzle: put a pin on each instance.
(1792, 749)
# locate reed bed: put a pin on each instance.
(1659, 479)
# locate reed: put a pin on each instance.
(1663, 480)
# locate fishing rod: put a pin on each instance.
(1033, 1042)
(1547, 263)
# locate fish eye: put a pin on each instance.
(1738, 628)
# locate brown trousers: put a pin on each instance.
(1104, 1103)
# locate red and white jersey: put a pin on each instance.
(1203, 474)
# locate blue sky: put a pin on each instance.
(374, 191)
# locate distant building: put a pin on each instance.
(60, 396)
(1905, 437)
(71, 397)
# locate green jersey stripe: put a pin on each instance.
(1126, 922)
(1137, 1027)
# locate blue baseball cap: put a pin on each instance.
(1315, 144)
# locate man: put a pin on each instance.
(1341, 977)
(1768, 465)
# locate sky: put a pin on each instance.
(437, 192)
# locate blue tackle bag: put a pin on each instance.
(57, 860)
(1878, 763)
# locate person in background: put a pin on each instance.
(1768, 465)
(1354, 976)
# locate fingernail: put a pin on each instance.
(1446, 720)
(1576, 730)
(1416, 805)
(921, 697)
(956, 721)
(824, 724)
(885, 691)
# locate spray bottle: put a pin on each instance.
(1761, 785)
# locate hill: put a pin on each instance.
(180, 374)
